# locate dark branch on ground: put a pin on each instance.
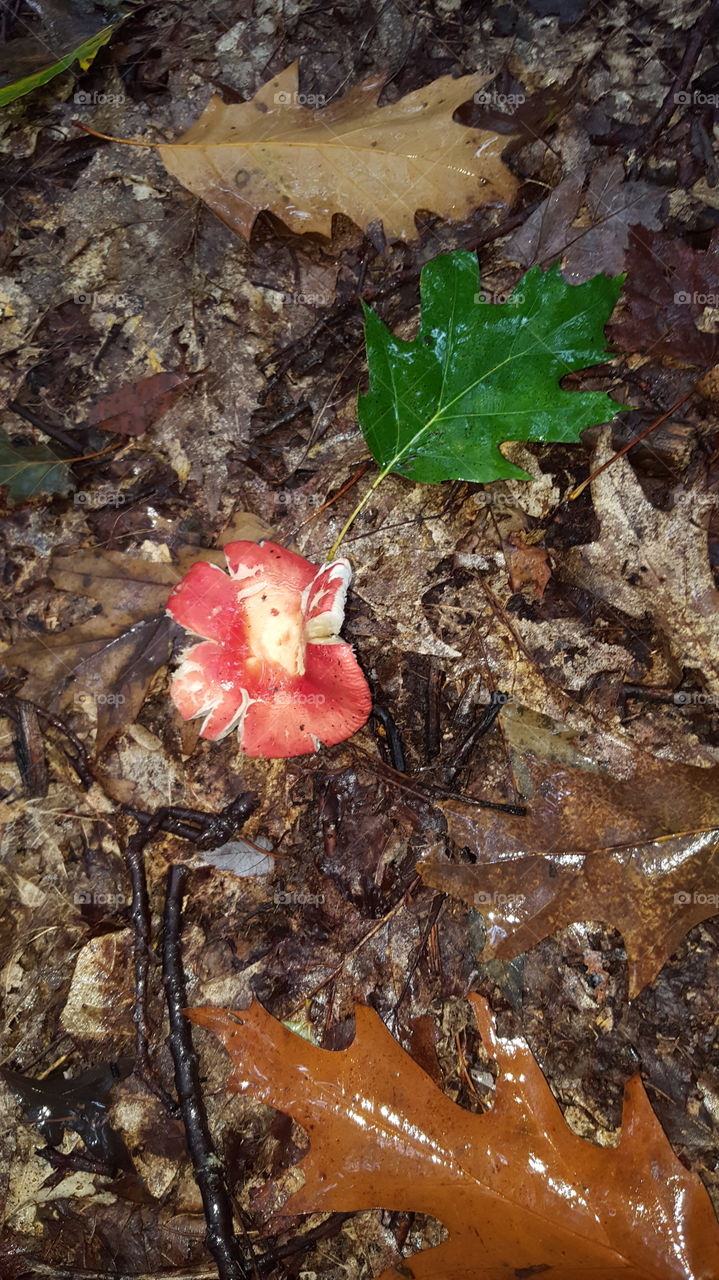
(142, 940)
(695, 44)
(220, 1237)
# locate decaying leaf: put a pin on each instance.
(80, 1103)
(528, 565)
(134, 407)
(520, 1194)
(671, 289)
(351, 157)
(29, 469)
(628, 840)
(600, 241)
(107, 662)
(651, 561)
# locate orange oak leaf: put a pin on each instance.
(518, 1192)
(350, 157)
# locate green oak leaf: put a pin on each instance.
(479, 373)
(29, 469)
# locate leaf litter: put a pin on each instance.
(437, 616)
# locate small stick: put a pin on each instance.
(220, 1235)
(695, 44)
(642, 434)
(30, 750)
(140, 916)
(47, 428)
(12, 706)
(388, 733)
(434, 694)
(483, 725)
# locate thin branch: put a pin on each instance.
(220, 1236)
(140, 914)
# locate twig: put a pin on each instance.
(47, 428)
(433, 720)
(429, 791)
(220, 1236)
(389, 735)
(140, 915)
(205, 830)
(642, 435)
(301, 1243)
(478, 730)
(56, 1272)
(12, 706)
(75, 1161)
(695, 44)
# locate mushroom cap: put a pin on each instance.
(271, 663)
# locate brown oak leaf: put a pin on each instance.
(350, 157)
(632, 841)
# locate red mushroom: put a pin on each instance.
(271, 663)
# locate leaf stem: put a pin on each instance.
(360, 507)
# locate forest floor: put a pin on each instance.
(590, 614)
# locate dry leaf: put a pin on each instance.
(528, 566)
(351, 157)
(519, 1193)
(648, 561)
(134, 407)
(638, 851)
(109, 661)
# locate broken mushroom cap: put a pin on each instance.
(271, 663)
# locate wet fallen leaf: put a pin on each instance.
(108, 662)
(613, 206)
(529, 567)
(134, 407)
(520, 1194)
(67, 33)
(650, 561)
(80, 1103)
(29, 469)
(351, 157)
(479, 374)
(628, 840)
(670, 286)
